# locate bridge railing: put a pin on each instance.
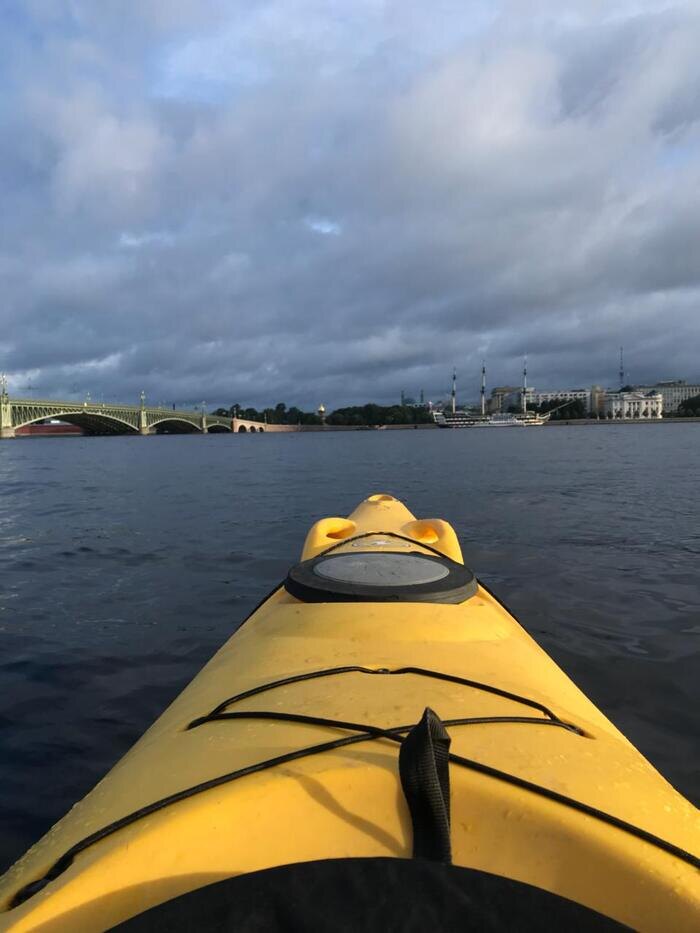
(112, 406)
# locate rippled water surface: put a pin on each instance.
(125, 562)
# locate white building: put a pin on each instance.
(673, 393)
(628, 406)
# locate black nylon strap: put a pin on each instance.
(425, 777)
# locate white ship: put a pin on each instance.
(465, 419)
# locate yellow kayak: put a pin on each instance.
(381, 738)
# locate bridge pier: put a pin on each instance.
(143, 424)
(6, 427)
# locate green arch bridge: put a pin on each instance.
(98, 418)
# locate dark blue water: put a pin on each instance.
(125, 562)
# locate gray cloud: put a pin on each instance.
(307, 201)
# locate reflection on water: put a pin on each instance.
(127, 561)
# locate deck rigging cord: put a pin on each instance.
(359, 669)
(363, 732)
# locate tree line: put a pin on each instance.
(373, 415)
(690, 408)
(280, 414)
(369, 415)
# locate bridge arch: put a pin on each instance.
(174, 425)
(92, 422)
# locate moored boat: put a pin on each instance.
(456, 418)
(465, 419)
(380, 741)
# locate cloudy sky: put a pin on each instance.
(334, 200)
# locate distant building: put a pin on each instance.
(673, 393)
(503, 396)
(640, 401)
(564, 395)
(628, 406)
(597, 402)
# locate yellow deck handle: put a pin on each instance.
(437, 534)
(325, 533)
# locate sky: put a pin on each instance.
(321, 201)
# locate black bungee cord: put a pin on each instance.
(363, 732)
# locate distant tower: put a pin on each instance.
(483, 388)
(321, 412)
(622, 370)
(524, 386)
(403, 398)
(454, 390)
(422, 398)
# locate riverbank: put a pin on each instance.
(585, 421)
(574, 422)
(308, 428)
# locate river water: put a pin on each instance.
(125, 562)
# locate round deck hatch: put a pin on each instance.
(380, 576)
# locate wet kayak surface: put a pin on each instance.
(128, 561)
